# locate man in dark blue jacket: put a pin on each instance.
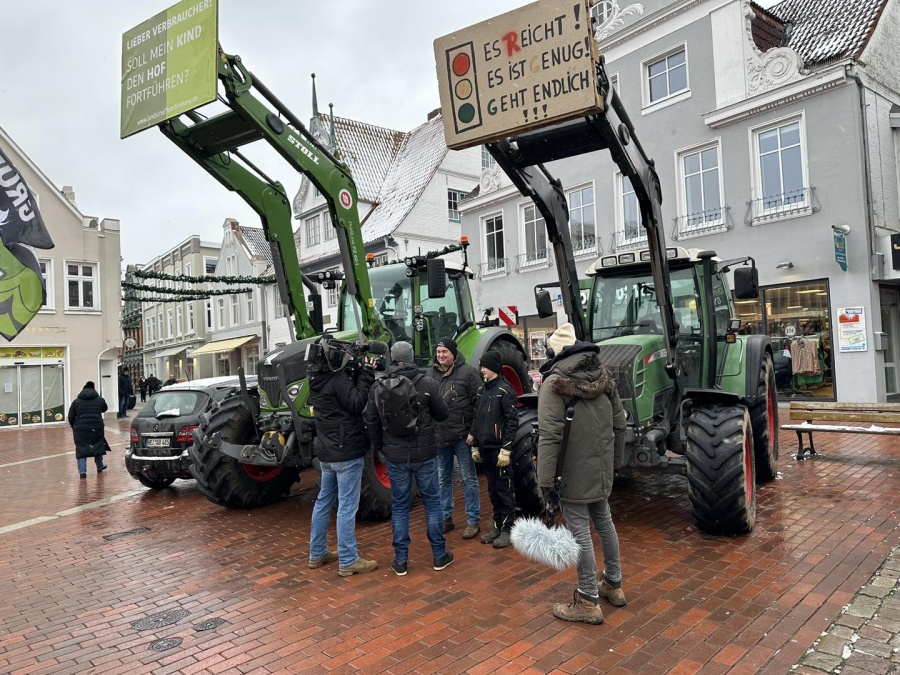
(491, 437)
(338, 390)
(409, 456)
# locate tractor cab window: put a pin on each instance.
(443, 316)
(627, 305)
(392, 293)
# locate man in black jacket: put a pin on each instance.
(411, 456)
(459, 383)
(491, 437)
(338, 398)
(86, 419)
(126, 391)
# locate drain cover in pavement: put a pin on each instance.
(160, 620)
(126, 533)
(164, 644)
(209, 624)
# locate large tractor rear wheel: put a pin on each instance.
(764, 418)
(721, 469)
(528, 495)
(514, 369)
(375, 493)
(225, 481)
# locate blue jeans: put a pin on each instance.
(82, 463)
(426, 475)
(463, 454)
(123, 406)
(578, 519)
(341, 481)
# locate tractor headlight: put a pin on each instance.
(293, 391)
(263, 398)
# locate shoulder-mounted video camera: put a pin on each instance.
(329, 355)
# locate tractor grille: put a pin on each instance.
(292, 358)
(620, 361)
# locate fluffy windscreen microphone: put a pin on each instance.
(377, 347)
(552, 546)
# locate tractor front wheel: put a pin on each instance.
(528, 495)
(221, 478)
(514, 369)
(721, 469)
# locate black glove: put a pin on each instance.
(550, 497)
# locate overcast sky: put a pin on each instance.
(59, 98)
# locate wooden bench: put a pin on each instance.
(875, 413)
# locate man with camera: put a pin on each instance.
(339, 383)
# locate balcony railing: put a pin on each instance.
(495, 267)
(702, 222)
(534, 260)
(622, 241)
(785, 205)
(585, 245)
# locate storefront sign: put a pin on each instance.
(852, 329)
(895, 251)
(525, 69)
(169, 65)
(840, 249)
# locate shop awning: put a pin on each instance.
(166, 353)
(222, 345)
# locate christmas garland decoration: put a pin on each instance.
(203, 278)
(184, 292)
(160, 300)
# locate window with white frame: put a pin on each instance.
(148, 330)
(190, 318)
(251, 309)
(221, 312)
(252, 359)
(209, 264)
(487, 159)
(666, 75)
(46, 266)
(535, 235)
(81, 279)
(235, 313)
(701, 203)
(188, 269)
(334, 293)
(179, 320)
(453, 199)
(279, 306)
(380, 260)
(328, 225)
(629, 214)
(601, 10)
(582, 220)
(313, 233)
(781, 178)
(170, 323)
(494, 245)
(209, 314)
(160, 326)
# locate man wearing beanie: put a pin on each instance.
(491, 437)
(410, 455)
(458, 383)
(574, 378)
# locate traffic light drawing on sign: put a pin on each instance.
(462, 75)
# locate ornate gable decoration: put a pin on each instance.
(615, 17)
(774, 67)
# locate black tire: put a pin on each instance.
(764, 418)
(721, 469)
(222, 479)
(375, 493)
(155, 483)
(515, 369)
(524, 455)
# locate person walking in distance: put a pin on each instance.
(86, 419)
(400, 417)
(142, 387)
(491, 437)
(339, 391)
(458, 383)
(580, 448)
(126, 391)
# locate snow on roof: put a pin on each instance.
(823, 30)
(255, 242)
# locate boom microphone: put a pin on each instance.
(376, 347)
(552, 546)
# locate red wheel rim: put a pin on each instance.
(513, 378)
(381, 472)
(262, 474)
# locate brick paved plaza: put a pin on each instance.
(70, 599)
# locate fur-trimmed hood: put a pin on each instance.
(580, 374)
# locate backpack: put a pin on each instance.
(397, 402)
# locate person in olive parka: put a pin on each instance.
(574, 377)
(86, 419)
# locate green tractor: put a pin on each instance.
(700, 399)
(250, 450)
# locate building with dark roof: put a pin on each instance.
(775, 135)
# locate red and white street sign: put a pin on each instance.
(509, 315)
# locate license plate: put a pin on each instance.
(157, 442)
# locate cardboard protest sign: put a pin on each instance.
(169, 65)
(529, 68)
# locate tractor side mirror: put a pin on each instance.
(436, 274)
(746, 283)
(544, 304)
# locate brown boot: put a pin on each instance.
(360, 566)
(582, 608)
(606, 590)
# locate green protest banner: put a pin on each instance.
(169, 65)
